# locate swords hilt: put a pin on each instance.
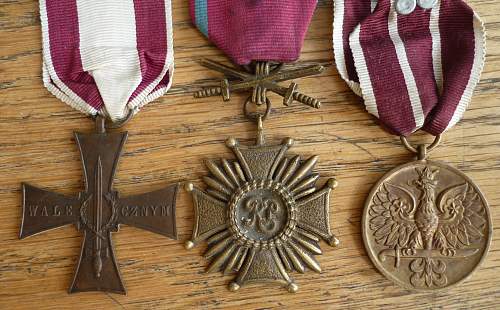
(222, 90)
(304, 99)
(292, 95)
(208, 92)
(97, 263)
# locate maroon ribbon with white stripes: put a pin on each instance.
(110, 57)
(414, 70)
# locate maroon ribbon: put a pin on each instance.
(415, 69)
(110, 57)
(265, 30)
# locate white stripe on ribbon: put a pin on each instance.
(109, 53)
(108, 49)
(363, 74)
(411, 86)
(435, 20)
(49, 76)
(338, 46)
(436, 46)
(477, 68)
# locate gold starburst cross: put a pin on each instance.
(262, 214)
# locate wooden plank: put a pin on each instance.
(168, 141)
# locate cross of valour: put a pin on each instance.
(98, 211)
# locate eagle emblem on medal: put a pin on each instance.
(426, 225)
(262, 215)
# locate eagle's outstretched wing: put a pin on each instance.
(391, 216)
(461, 218)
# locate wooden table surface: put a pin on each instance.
(169, 140)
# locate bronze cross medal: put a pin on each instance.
(98, 211)
(261, 214)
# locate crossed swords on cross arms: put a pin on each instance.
(260, 82)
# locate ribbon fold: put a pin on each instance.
(264, 30)
(415, 71)
(109, 57)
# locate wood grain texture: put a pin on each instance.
(169, 140)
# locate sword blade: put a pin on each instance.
(228, 71)
(277, 77)
(98, 217)
(420, 253)
(295, 74)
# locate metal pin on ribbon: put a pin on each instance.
(260, 82)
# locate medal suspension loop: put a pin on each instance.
(103, 122)
(258, 117)
(422, 150)
(259, 97)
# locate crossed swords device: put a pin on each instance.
(264, 78)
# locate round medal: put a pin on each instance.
(426, 225)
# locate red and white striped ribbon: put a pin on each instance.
(108, 57)
(415, 71)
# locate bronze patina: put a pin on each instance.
(98, 211)
(261, 213)
(260, 77)
(426, 225)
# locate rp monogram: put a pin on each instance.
(261, 213)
